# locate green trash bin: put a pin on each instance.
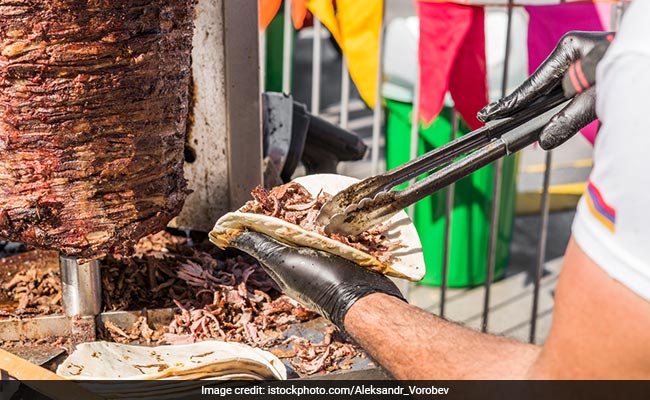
(470, 226)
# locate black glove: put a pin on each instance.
(581, 110)
(326, 283)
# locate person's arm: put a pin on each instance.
(600, 329)
(413, 344)
(407, 341)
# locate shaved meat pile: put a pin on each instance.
(224, 297)
(169, 272)
(293, 203)
(290, 202)
(328, 355)
(139, 331)
(35, 291)
(219, 295)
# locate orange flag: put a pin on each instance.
(298, 12)
(268, 9)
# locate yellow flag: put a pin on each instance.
(356, 25)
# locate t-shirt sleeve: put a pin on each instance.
(612, 224)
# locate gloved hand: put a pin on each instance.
(580, 111)
(323, 282)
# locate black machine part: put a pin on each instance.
(277, 124)
(292, 134)
(327, 144)
(299, 132)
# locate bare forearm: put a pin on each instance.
(413, 344)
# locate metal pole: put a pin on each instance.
(618, 8)
(287, 42)
(345, 94)
(623, 7)
(413, 153)
(81, 287)
(613, 19)
(316, 68)
(496, 188)
(376, 114)
(262, 61)
(415, 132)
(541, 244)
(449, 207)
(243, 119)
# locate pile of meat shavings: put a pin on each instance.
(35, 292)
(323, 356)
(219, 295)
(226, 298)
(293, 203)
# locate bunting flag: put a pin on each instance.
(355, 25)
(452, 58)
(298, 13)
(549, 23)
(268, 9)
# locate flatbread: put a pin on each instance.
(203, 360)
(407, 262)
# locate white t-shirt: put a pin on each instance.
(612, 225)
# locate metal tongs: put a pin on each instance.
(372, 202)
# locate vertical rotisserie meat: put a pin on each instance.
(93, 109)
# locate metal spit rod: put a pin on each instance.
(81, 287)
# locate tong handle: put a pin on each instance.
(513, 133)
(516, 138)
(450, 151)
(379, 186)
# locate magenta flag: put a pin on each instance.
(452, 58)
(549, 23)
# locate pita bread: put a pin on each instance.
(203, 360)
(407, 262)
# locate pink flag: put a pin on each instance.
(549, 23)
(452, 58)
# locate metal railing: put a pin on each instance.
(496, 188)
(617, 11)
